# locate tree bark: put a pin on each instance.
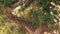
(18, 21)
(23, 23)
(20, 2)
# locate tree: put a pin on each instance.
(33, 15)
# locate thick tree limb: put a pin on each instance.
(22, 23)
(40, 29)
(16, 20)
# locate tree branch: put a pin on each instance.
(17, 21)
(20, 2)
(40, 29)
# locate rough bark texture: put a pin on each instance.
(16, 20)
(22, 23)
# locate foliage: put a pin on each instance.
(8, 2)
(34, 16)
